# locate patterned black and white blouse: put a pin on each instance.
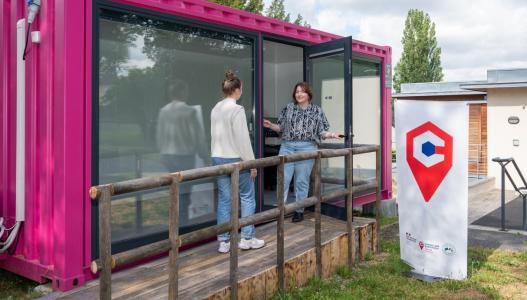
(297, 124)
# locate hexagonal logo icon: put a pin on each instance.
(429, 155)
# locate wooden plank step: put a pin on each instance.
(204, 273)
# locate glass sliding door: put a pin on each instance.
(366, 113)
(329, 74)
(158, 81)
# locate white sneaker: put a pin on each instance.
(225, 247)
(254, 243)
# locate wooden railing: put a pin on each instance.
(103, 194)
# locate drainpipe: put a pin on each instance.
(10, 233)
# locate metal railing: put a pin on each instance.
(103, 194)
(503, 162)
(476, 156)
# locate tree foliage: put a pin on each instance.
(254, 6)
(275, 10)
(420, 60)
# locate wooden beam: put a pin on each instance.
(317, 194)
(280, 252)
(349, 206)
(378, 167)
(105, 243)
(235, 193)
(173, 233)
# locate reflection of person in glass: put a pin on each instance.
(180, 136)
(302, 125)
(231, 143)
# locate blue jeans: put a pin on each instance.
(247, 200)
(300, 169)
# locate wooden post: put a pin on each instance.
(349, 207)
(173, 233)
(235, 186)
(139, 195)
(363, 242)
(280, 252)
(105, 243)
(317, 194)
(374, 237)
(378, 168)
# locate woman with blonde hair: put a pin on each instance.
(230, 142)
(301, 125)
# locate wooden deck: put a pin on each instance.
(204, 273)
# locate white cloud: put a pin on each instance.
(473, 35)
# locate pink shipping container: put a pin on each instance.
(91, 93)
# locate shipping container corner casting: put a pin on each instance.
(86, 102)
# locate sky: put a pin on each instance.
(474, 36)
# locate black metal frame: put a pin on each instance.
(327, 49)
(339, 46)
(503, 162)
(285, 41)
(257, 38)
(380, 61)
(107, 4)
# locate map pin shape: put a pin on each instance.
(429, 156)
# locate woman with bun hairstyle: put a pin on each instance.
(230, 142)
(301, 125)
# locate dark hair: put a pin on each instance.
(230, 83)
(177, 90)
(306, 88)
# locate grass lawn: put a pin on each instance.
(493, 274)
(15, 287)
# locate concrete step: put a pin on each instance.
(479, 186)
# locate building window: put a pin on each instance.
(158, 82)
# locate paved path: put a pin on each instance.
(482, 204)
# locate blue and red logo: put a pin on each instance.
(429, 155)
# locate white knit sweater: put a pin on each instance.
(229, 131)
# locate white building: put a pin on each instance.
(497, 121)
(506, 117)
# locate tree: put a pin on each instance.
(300, 21)
(240, 4)
(254, 6)
(276, 10)
(420, 60)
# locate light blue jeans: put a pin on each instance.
(247, 200)
(300, 169)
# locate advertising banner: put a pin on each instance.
(432, 185)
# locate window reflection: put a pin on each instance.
(158, 82)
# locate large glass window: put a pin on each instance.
(158, 82)
(328, 85)
(366, 114)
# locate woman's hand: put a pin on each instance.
(267, 123)
(334, 135)
(271, 125)
(254, 172)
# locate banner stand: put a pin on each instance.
(432, 179)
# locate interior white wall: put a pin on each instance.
(366, 118)
(283, 68)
